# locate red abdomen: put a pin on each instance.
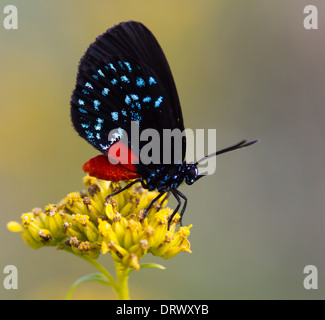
(100, 167)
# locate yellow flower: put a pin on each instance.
(84, 223)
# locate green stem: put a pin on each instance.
(121, 285)
(104, 271)
(122, 282)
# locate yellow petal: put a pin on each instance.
(15, 226)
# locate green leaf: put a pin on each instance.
(152, 265)
(99, 277)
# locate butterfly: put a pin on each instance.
(124, 81)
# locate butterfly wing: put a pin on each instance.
(123, 77)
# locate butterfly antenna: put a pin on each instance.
(242, 144)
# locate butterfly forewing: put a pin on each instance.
(124, 77)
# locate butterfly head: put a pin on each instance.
(191, 173)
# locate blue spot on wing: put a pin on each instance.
(158, 102)
(96, 104)
(105, 92)
(135, 116)
(99, 123)
(104, 147)
(101, 73)
(89, 85)
(140, 82)
(121, 65)
(114, 116)
(82, 110)
(128, 65)
(146, 99)
(152, 81)
(112, 66)
(90, 135)
(127, 99)
(125, 79)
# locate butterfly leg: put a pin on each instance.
(124, 188)
(165, 198)
(184, 206)
(152, 202)
(174, 192)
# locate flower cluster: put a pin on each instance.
(85, 223)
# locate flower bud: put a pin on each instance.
(91, 208)
(15, 226)
(139, 249)
(131, 234)
(148, 235)
(119, 224)
(45, 236)
(130, 206)
(111, 208)
(118, 253)
(26, 235)
(86, 227)
(131, 261)
(106, 231)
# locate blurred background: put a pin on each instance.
(248, 69)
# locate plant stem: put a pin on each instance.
(122, 282)
(121, 285)
(100, 268)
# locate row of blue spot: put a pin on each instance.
(140, 82)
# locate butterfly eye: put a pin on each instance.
(191, 174)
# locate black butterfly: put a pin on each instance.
(124, 78)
